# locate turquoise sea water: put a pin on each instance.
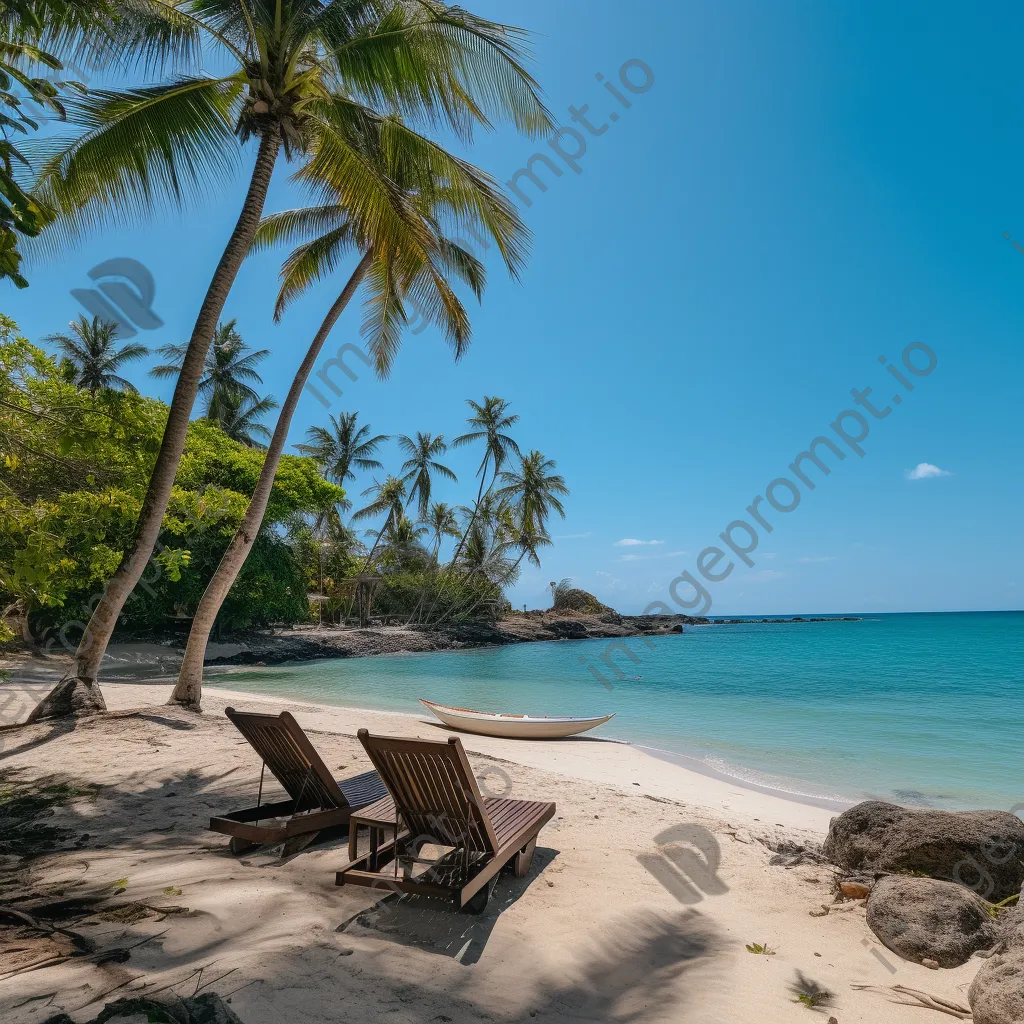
(925, 709)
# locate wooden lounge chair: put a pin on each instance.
(433, 798)
(317, 800)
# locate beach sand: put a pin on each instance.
(620, 919)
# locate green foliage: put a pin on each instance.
(566, 598)
(8, 638)
(760, 948)
(75, 466)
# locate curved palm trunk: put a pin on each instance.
(80, 693)
(190, 678)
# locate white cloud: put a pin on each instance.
(631, 542)
(600, 573)
(820, 558)
(926, 471)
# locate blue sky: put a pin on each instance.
(804, 188)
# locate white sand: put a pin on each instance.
(617, 921)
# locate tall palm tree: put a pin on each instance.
(345, 445)
(422, 463)
(297, 75)
(228, 374)
(92, 350)
(404, 253)
(239, 417)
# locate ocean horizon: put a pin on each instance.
(920, 708)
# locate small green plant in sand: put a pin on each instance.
(809, 993)
(172, 891)
(761, 948)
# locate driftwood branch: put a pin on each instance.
(915, 997)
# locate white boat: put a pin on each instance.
(524, 727)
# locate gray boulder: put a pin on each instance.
(997, 993)
(983, 850)
(923, 918)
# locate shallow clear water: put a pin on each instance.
(925, 709)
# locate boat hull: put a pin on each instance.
(523, 727)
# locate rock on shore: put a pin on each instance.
(982, 850)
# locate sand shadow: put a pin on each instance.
(436, 926)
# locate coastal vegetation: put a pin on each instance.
(77, 451)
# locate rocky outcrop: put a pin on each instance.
(982, 850)
(925, 919)
(309, 644)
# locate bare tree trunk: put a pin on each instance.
(188, 690)
(80, 693)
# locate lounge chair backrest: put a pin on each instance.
(434, 790)
(287, 752)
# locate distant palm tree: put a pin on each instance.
(229, 370)
(93, 352)
(345, 445)
(405, 541)
(534, 490)
(239, 418)
(389, 498)
(441, 522)
(420, 466)
(491, 420)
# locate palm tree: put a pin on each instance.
(229, 370)
(92, 350)
(525, 502)
(491, 420)
(389, 498)
(403, 253)
(297, 75)
(405, 542)
(421, 464)
(441, 523)
(239, 417)
(535, 491)
(345, 445)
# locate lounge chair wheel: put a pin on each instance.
(524, 858)
(239, 846)
(478, 904)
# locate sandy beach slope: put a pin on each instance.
(644, 892)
